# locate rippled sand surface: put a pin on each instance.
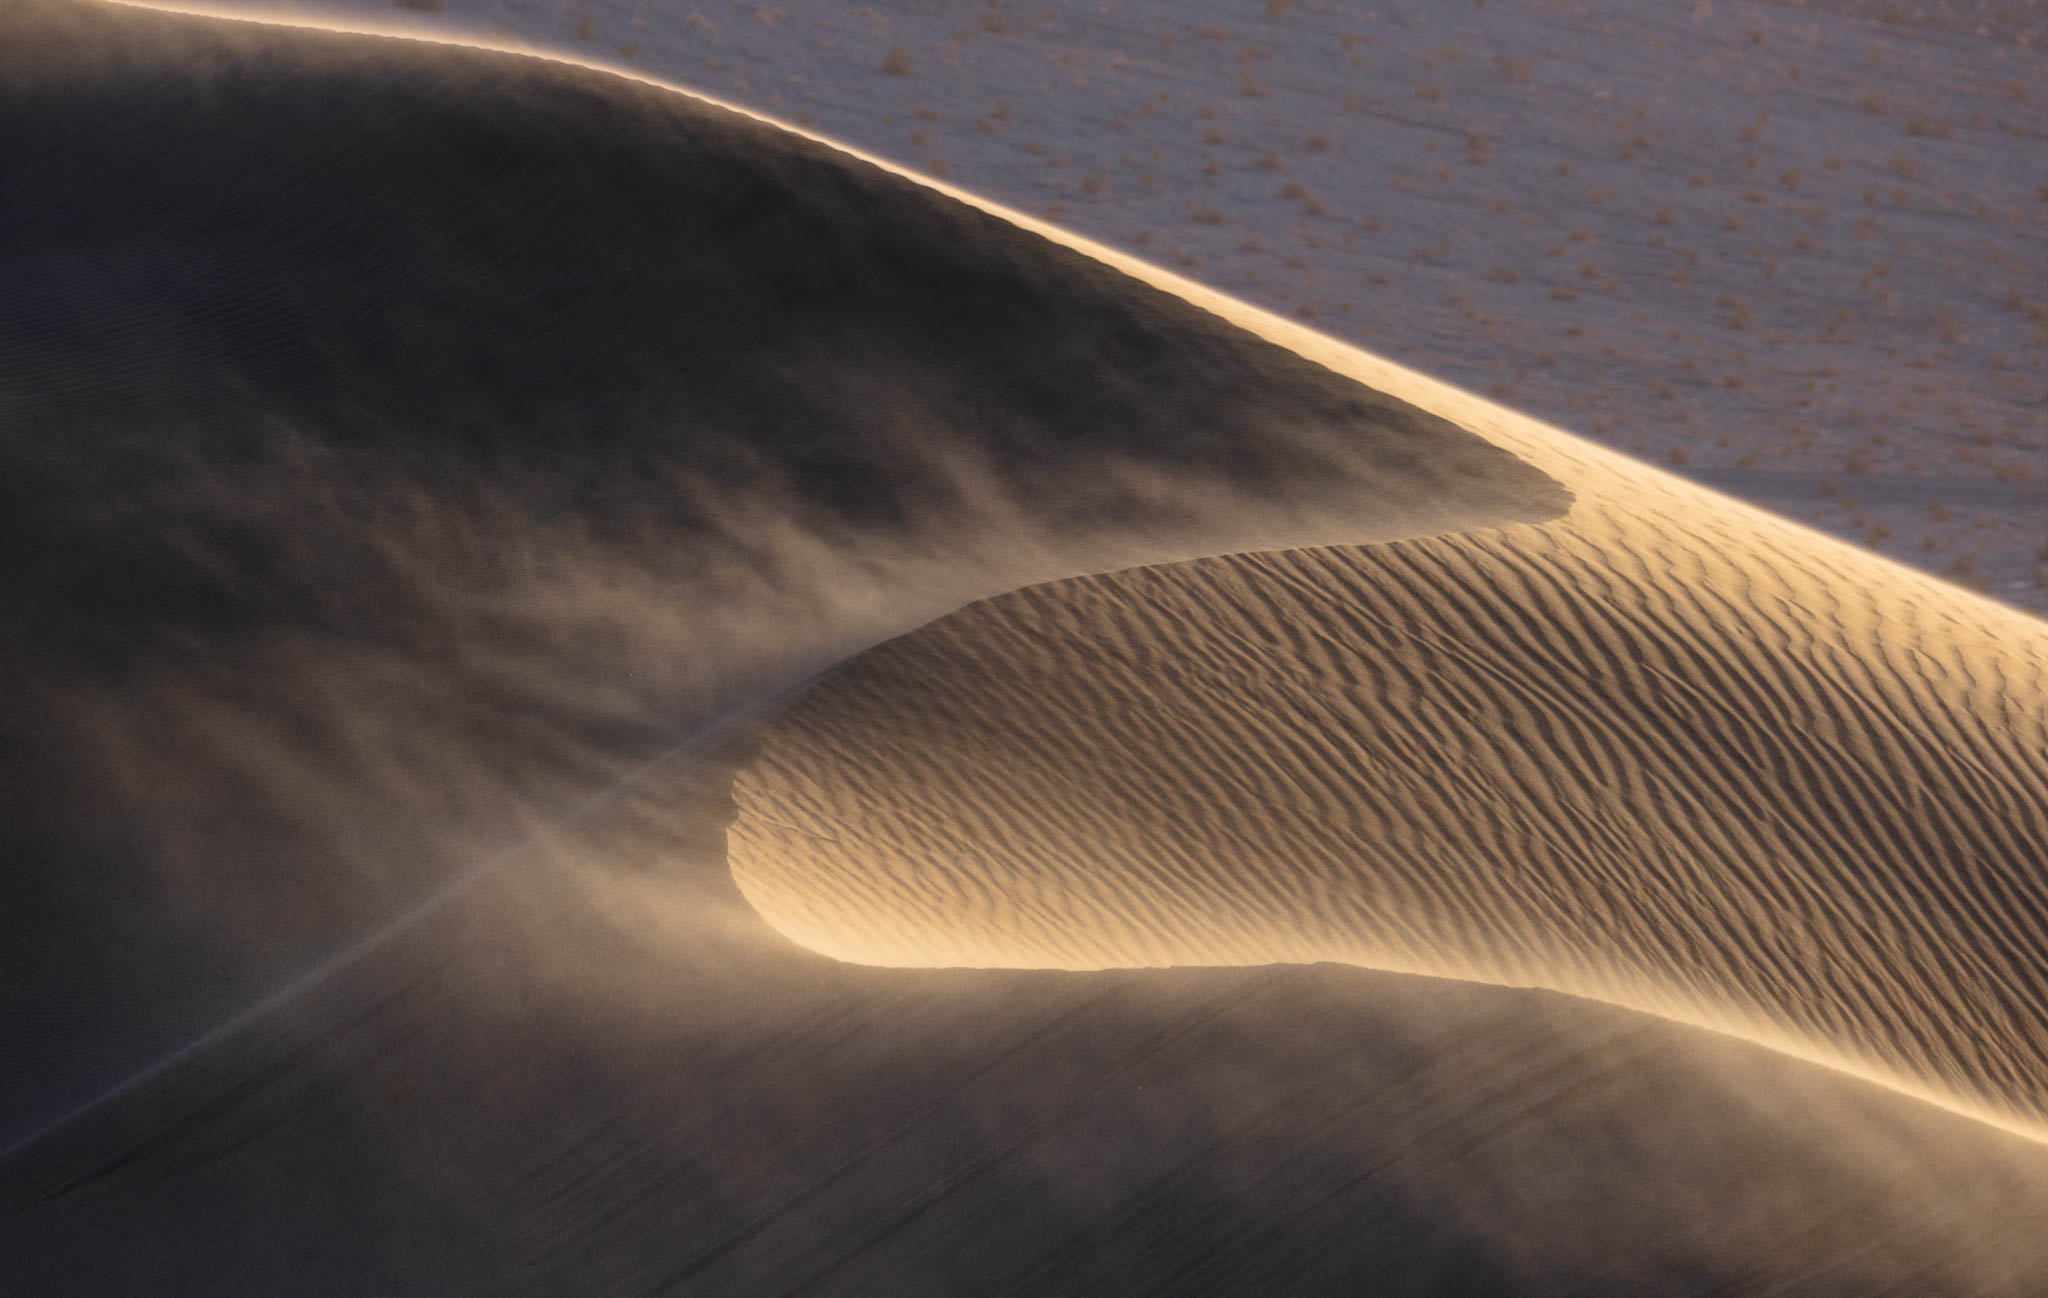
(1666, 751)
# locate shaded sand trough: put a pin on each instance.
(290, 686)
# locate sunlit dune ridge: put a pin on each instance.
(1668, 751)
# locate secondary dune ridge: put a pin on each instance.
(328, 715)
(512, 1100)
(1668, 751)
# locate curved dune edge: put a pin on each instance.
(1097, 773)
(1845, 600)
(375, 406)
(1060, 776)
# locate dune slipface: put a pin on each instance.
(1667, 751)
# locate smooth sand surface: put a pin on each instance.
(603, 298)
(374, 561)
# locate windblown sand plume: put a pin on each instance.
(399, 439)
(414, 457)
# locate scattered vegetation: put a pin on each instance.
(1739, 312)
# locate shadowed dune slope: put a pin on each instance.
(606, 1076)
(1667, 751)
(559, 1086)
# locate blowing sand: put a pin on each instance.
(407, 448)
(402, 441)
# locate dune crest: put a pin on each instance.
(1691, 734)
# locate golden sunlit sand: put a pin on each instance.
(1667, 751)
(415, 455)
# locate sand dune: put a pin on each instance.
(407, 451)
(1667, 751)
